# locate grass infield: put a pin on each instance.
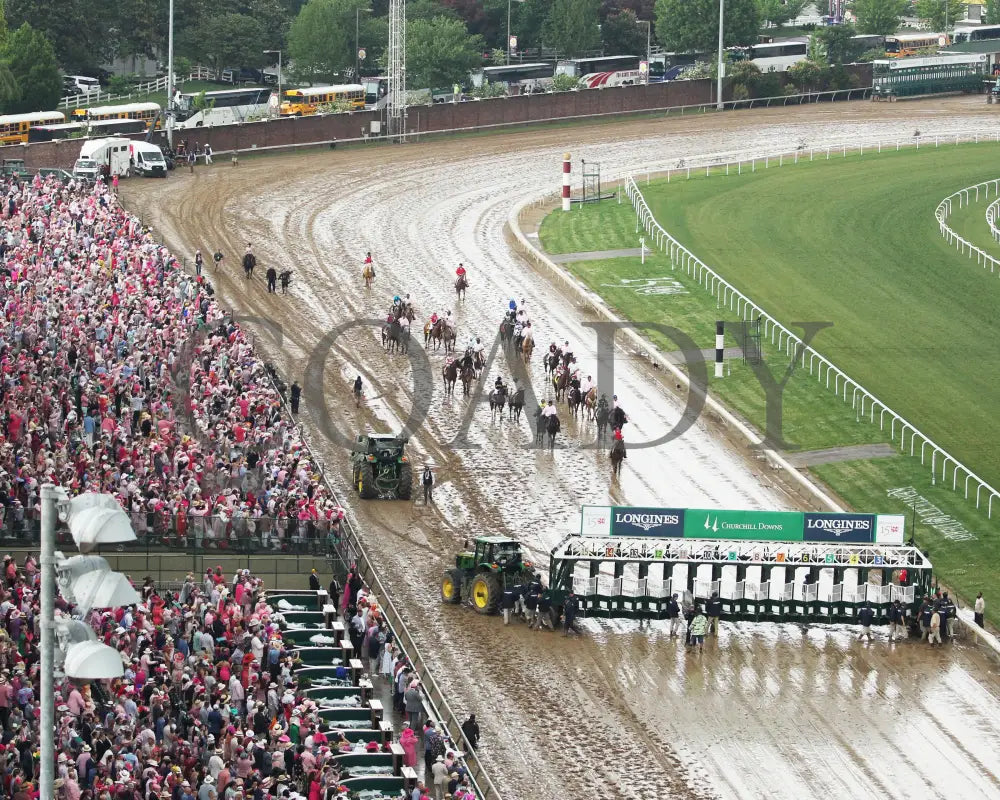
(851, 241)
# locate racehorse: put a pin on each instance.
(602, 415)
(468, 375)
(574, 400)
(460, 286)
(567, 359)
(516, 405)
(478, 363)
(552, 428)
(590, 402)
(560, 380)
(551, 360)
(368, 273)
(527, 346)
(539, 425)
(617, 455)
(395, 336)
(498, 397)
(450, 374)
(506, 332)
(448, 336)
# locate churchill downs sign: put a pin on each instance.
(769, 526)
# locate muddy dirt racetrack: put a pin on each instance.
(765, 711)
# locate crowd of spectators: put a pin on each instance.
(208, 708)
(120, 373)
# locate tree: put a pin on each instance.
(572, 27)
(623, 34)
(563, 83)
(426, 9)
(808, 75)
(940, 15)
(840, 46)
(992, 12)
(321, 39)
(881, 17)
(528, 22)
(693, 25)
(77, 29)
(440, 52)
(777, 13)
(31, 61)
(233, 40)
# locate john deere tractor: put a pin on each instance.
(380, 467)
(480, 576)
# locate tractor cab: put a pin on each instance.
(380, 467)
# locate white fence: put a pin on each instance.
(138, 91)
(965, 198)
(862, 401)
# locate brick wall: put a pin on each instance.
(499, 112)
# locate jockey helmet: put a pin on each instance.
(395, 299)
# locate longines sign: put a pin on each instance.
(771, 526)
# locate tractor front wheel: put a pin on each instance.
(451, 582)
(485, 593)
(366, 482)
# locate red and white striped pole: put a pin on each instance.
(566, 168)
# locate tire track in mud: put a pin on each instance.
(620, 714)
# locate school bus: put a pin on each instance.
(910, 44)
(14, 127)
(302, 102)
(146, 112)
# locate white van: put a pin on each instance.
(81, 84)
(112, 152)
(149, 160)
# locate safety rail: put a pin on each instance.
(964, 196)
(353, 552)
(992, 210)
(790, 344)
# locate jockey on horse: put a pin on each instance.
(618, 415)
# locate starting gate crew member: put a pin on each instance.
(507, 602)
(674, 614)
(530, 606)
(569, 611)
(865, 616)
(544, 610)
(713, 608)
(897, 619)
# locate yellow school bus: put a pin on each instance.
(14, 127)
(301, 102)
(910, 44)
(146, 112)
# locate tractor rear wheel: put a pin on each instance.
(405, 488)
(451, 583)
(485, 593)
(366, 482)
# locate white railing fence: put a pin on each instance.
(864, 402)
(138, 91)
(991, 219)
(965, 198)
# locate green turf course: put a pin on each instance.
(913, 320)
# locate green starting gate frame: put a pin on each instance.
(755, 580)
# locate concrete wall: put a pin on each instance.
(500, 112)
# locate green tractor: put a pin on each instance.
(380, 467)
(481, 575)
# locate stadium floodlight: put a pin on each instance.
(93, 661)
(69, 570)
(88, 582)
(95, 519)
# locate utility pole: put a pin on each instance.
(718, 99)
(47, 622)
(508, 31)
(170, 92)
(271, 53)
(648, 49)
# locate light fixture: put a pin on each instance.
(93, 661)
(69, 570)
(103, 590)
(96, 519)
